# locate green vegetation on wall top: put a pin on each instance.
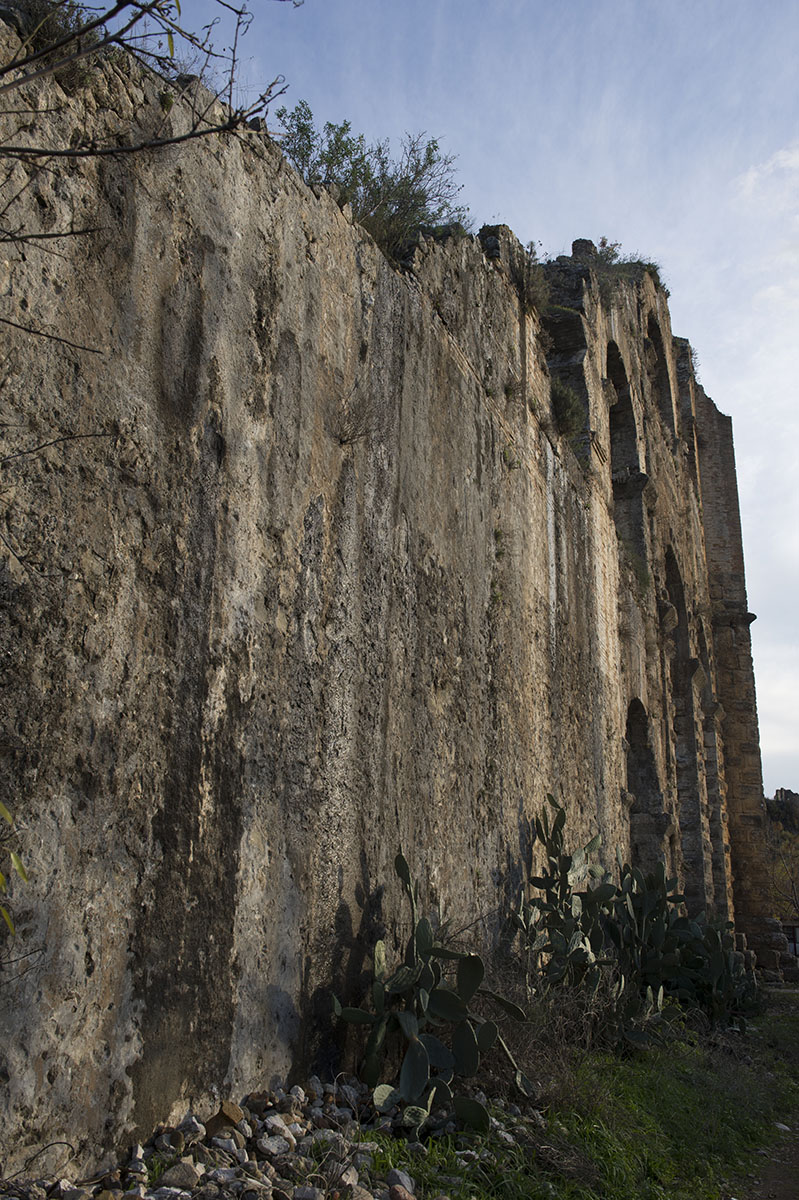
(614, 268)
(391, 198)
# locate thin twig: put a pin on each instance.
(53, 337)
(40, 237)
(24, 153)
(35, 112)
(34, 174)
(71, 38)
(19, 958)
(34, 1156)
(29, 566)
(67, 437)
(19, 975)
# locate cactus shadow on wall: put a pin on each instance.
(320, 1047)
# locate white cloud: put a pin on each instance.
(773, 182)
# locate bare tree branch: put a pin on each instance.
(67, 437)
(53, 337)
(74, 37)
(233, 122)
(43, 237)
(62, 36)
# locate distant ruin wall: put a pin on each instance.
(735, 685)
(295, 569)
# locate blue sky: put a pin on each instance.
(672, 127)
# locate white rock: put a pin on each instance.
(403, 1179)
(350, 1095)
(192, 1129)
(278, 1127)
(226, 1144)
(348, 1177)
(183, 1175)
(223, 1175)
(272, 1146)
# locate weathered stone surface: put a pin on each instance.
(273, 1146)
(296, 569)
(227, 1117)
(402, 1179)
(182, 1175)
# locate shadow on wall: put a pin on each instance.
(324, 1044)
(285, 1020)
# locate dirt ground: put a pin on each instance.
(778, 1178)
(776, 1170)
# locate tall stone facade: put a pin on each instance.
(694, 782)
(297, 567)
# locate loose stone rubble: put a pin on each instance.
(302, 1144)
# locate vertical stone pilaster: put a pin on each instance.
(735, 674)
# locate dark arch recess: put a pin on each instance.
(649, 823)
(625, 464)
(658, 374)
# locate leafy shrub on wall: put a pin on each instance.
(391, 198)
(567, 408)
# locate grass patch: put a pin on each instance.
(673, 1123)
(157, 1165)
(568, 409)
(676, 1122)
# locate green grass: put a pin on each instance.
(672, 1123)
(675, 1122)
(157, 1165)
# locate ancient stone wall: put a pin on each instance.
(642, 458)
(296, 568)
(735, 679)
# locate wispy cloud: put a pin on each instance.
(773, 182)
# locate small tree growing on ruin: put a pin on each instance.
(390, 197)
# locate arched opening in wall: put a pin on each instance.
(566, 363)
(650, 825)
(686, 381)
(658, 374)
(625, 464)
(688, 753)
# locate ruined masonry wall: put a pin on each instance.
(295, 569)
(736, 688)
